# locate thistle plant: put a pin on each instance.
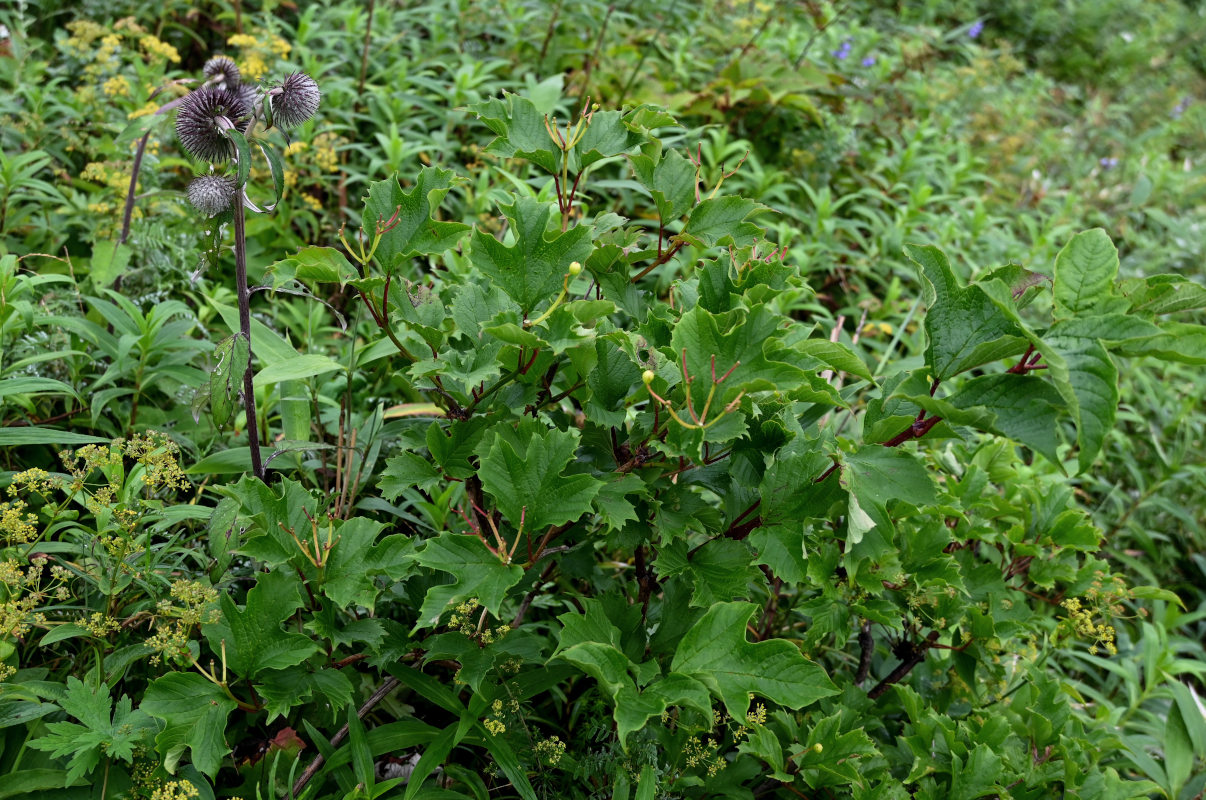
(215, 124)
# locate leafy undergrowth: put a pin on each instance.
(705, 401)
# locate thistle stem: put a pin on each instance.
(244, 298)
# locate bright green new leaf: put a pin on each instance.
(297, 368)
(521, 130)
(533, 269)
(716, 652)
(669, 177)
(319, 264)
(1085, 270)
(528, 482)
(414, 230)
(738, 341)
(722, 221)
(604, 137)
(478, 573)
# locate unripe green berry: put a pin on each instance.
(575, 268)
(818, 747)
(647, 376)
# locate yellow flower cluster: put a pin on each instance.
(83, 33)
(113, 175)
(175, 623)
(1100, 634)
(550, 750)
(159, 454)
(175, 790)
(155, 48)
(36, 480)
(150, 108)
(17, 526)
(703, 753)
(20, 612)
(99, 625)
(257, 51)
(325, 154)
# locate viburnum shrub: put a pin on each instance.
(647, 530)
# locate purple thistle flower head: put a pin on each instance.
(976, 29)
(295, 100)
(204, 117)
(222, 71)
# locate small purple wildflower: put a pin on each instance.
(869, 61)
(842, 52)
(1108, 162)
(1180, 107)
(976, 29)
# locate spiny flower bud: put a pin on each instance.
(204, 117)
(224, 69)
(211, 194)
(295, 100)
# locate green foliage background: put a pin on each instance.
(860, 456)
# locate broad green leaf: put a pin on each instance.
(408, 470)
(1085, 374)
(252, 636)
(319, 264)
(965, 328)
(195, 712)
(226, 381)
(1084, 274)
(355, 558)
(1024, 408)
(722, 221)
(1162, 294)
(529, 484)
(716, 652)
(286, 689)
(478, 573)
(720, 570)
(836, 355)
(521, 130)
(109, 261)
(296, 368)
(533, 269)
(738, 341)
(669, 177)
(606, 135)
(614, 377)
(415, 231)
(877, 475)
(1181, 342)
